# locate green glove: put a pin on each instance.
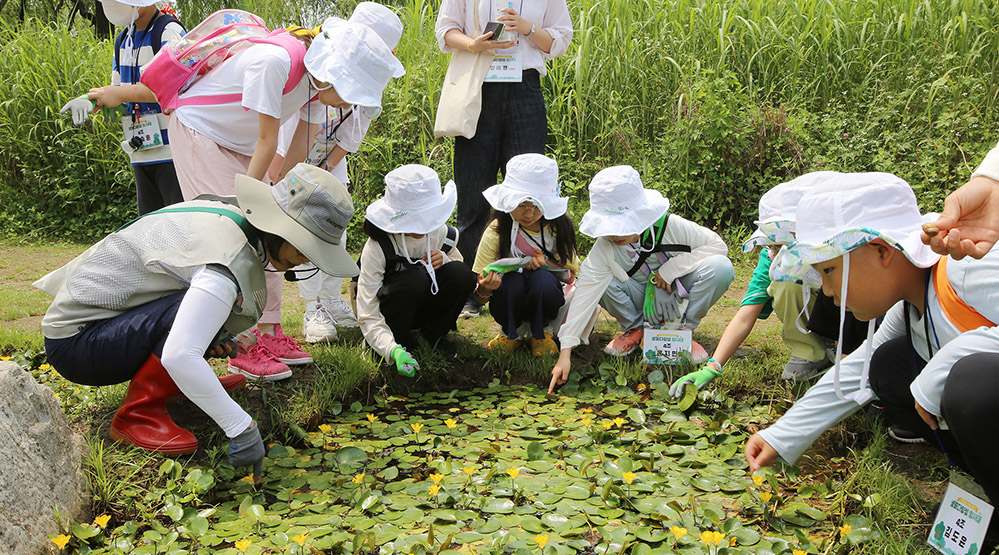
(404, 363)
(649, 307)
(505, 265)
(701, 378)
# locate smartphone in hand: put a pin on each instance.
(496, 27)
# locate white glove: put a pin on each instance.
(80, 107)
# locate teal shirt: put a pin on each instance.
(758, 284)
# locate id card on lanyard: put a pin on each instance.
(142, 131)
(507, 67)
(962, 520)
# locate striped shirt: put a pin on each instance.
(136, 51)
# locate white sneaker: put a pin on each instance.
(318, 325)
(340, 311)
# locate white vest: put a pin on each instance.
(130, 268)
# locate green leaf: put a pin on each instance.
(174, 512)
(637, 416)
(689, 397)
(84, 531)
(198, 526)
(535, 451)
(350, 454)
(497, 505)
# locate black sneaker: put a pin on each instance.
(470, 310)
(903, 435)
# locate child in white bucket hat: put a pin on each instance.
(412, 277)
(932, 362)
(639, 242)
(341, 134)
(529, 224)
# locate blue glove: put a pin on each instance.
(248, 449)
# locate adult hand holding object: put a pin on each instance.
(485, 42)
(969, 224)
(248, 449)
(759, 453)
(80, 108)
(700, 378)
(405, 364)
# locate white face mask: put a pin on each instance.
(118, 14)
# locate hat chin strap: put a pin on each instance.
(806, 295)
(434, 288)
(864, 394)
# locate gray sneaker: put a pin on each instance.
(470, 310)
(798, 369)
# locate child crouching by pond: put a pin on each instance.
(527, 253)
(412, 276)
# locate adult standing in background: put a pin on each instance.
(513, 119)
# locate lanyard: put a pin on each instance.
(540, 245)
(928, 326)
(520, 12)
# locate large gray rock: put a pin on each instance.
(40, 465)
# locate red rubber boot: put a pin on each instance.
(142, 418)
(228, 381)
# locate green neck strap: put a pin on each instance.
(248, 230)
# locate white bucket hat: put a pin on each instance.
(531, 177)
(382, 19)
(356, 61)
(136, 3)
(309, 208)
(779, 208)
(848, 211)
(619, 205)
(413, 201)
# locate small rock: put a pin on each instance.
(40, 458)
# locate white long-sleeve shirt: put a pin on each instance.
(607, 261)
(550, 15)
(820, 407)
(376, 330)
(990, 165)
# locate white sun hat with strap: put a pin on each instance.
(532, 177)
(620, 205)
(850, 210)
(779, 207)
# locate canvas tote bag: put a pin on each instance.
(461, 94)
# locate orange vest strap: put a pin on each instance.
(958, 312)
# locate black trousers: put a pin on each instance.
(111, 351)
(513, 121)
(407, 303)
(970, 406)
(156, 186)
(530, 296)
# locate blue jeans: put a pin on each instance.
(705, 284)
(532, 296)
(513, 121)
(111, 351)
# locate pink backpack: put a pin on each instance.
(223, 34)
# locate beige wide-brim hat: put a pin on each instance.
(413, 201)
(531, 177)
(620, 205)
(309, 208)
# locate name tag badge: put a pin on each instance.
(144, 133)
(961, 522)
(507, 68)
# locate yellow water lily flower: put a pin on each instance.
(300, 539)
(451, 423)
(434, 489)
(541, 540)
(607, 424)
(586, 421)
(678, 532)
(325, 428)
(513, 472)
(416, 426)
(437, 477)
(44, 367)
(372, 418)
(586, 410)
(619, 421)
(758, 480)
(102, 520)
(61, 540)
(359, 478)
(4, 358)
(712, 538)
(628, 477)
(765, 496)
(845, 529)
(248, 479)
(799, 552)
(469, 470)
(242, 545)
(640, 387)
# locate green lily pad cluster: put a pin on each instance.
(508, 470)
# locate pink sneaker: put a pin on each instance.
(626, 343)
(697, 354)
(257, 363)
(284, 348)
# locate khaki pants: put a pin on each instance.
(787, 306)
